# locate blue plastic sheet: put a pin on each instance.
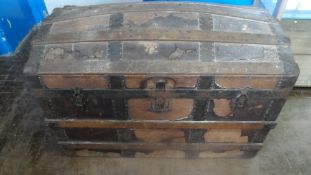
(17, 17)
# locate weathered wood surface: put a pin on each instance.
(162, 35)
(152, 42)
(28, 145)
(299, 33)
(304, 62)
(159, 63)
(80, 12)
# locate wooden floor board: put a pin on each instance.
(300, 35)
(304, 62)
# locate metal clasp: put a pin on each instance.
(239, 102)
(160, 104)
(78, 98)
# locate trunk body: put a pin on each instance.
(154, 79)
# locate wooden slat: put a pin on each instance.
(299, 33)
(301, 42)
(160, 146)
(163, 68)
(157, 124)
(87, 11)
(163, 35)
(304, 62)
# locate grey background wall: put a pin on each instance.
(51, 4)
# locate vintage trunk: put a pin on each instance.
(150, 79)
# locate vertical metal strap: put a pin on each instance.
(198, 114)
(120, 111)
(258, 136)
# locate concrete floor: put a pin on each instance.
(27, 148)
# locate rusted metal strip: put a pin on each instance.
(195, 135)
(163, 35)
(169, 93)
(161, 146)
(157, 124)
(120, 112)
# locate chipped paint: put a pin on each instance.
(53, 53)
(176, 54)
(244, 27)
(150, 47)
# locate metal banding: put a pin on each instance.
(170, 93)
(161, 146)
(156, 124)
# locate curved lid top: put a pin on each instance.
(160, 38)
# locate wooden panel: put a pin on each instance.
(255, 52)
(161, 20)
(163, 35)
(82, 24)
(152, 135)
(231, 24)
(299, 42)
(244, 82)
(140, 109)
(79, 106)
(299, 33)
(162, 154)
(304, 62)
(156, 51)
(222, 107)
(75, 81)
(225, 135)
(87, 11)
(226, 154)
(69, 53)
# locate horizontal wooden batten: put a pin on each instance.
(161, 146)
(69, 13)
(200, 11)
(168, 93)
(163, 35)
(157, 124)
